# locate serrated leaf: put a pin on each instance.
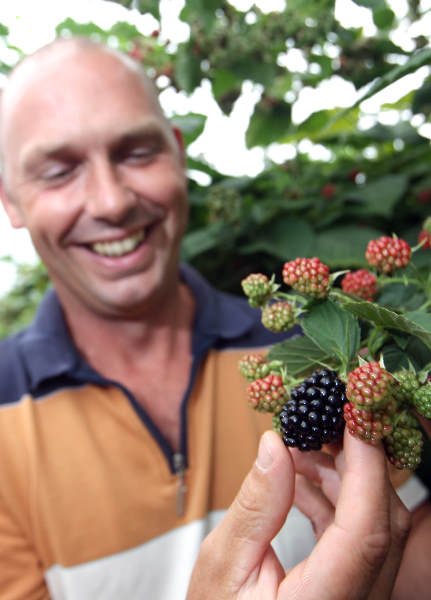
(421, 318)
(384, 317)
(300, 355)
(333, 329)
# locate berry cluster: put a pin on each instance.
(345, 387)
(253, 366)
(308, 276)
(360, 283)
(388, 253)
(258, 288)
(314, 413)
(381, 407)
(267, 394)
(279, 316)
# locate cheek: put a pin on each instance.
(49, 215)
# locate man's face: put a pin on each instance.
(96, 174)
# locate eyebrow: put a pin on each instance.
(152, 129)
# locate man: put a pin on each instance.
(123, 436)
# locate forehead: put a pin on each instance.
(74, 96)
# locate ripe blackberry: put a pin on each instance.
(314, 414)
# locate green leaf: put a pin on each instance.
(380, 196)
(4, 30)
(394, 358)
(202, 10)
(201, 240)
(191, 126)
(267, 126)
(187, 68)
(324, 124)
(415, 353)
(383, 17)
(223, 81)
(422, 99)
(333, 329)
(423, 57)
(263, 73)
(370, 3)
(421, 318)
(344, 246)
(287, 238)
(386, 318)
(149, 6)
(300, 355)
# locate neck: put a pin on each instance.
(157, 333)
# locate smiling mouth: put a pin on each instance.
(119, 247)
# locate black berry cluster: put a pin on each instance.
(314, 414)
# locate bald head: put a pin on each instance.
(57, 58)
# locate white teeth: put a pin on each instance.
(119, 247)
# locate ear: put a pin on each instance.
(10, 207)
(180, 143)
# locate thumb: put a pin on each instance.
(258, 512)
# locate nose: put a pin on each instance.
(107, 197)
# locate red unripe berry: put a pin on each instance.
(328, 190)
(360, 283)
(388, 253)
(308, 276)
(370, 386)
(425, 236)
(367, 425)
(267, 394)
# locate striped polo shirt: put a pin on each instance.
(90, 491)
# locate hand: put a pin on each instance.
(360, 545)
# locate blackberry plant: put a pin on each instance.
(363, 360)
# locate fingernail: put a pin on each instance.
(264, 456)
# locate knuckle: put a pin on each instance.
(374, 548)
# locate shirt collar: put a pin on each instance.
(48, 350)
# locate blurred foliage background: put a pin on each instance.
(374, 179)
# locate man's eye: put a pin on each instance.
(140, 154)
(56, 172)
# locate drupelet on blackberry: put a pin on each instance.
(314, 414)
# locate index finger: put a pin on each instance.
(351, 552)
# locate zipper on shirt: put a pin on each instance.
(179, 467)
